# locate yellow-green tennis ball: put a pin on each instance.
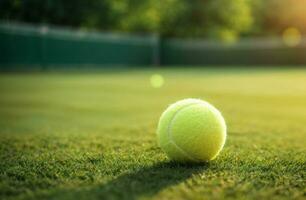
(191, 130)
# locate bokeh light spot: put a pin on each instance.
(157, 81)
(292, 37)
(44, 30)
(228, 37)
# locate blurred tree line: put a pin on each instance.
(225, 19)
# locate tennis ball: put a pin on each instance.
(191, 130)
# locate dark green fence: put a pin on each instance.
(268, 51)
(27, 47)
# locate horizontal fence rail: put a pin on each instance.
(44, 47)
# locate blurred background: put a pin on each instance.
(50, 33)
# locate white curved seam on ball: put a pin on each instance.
(170, 135)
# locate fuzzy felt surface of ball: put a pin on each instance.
(191, 130)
